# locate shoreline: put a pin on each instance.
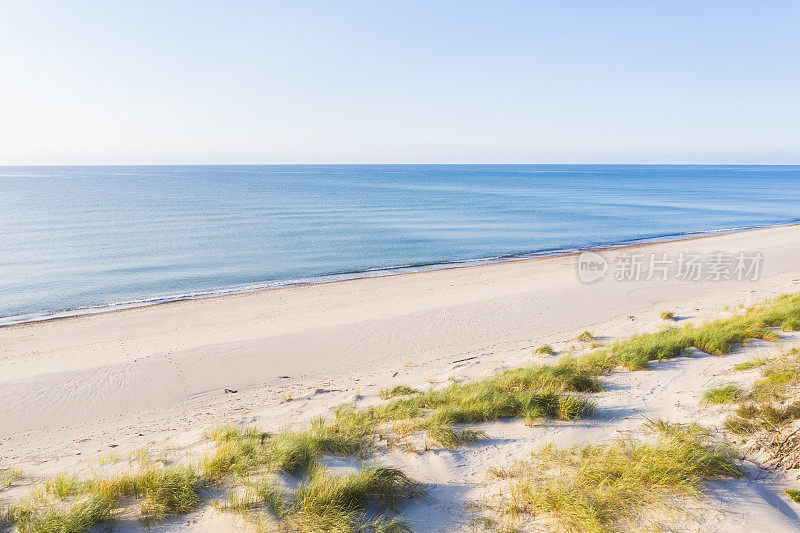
(94, 366)
(81, 396)
(258, 287)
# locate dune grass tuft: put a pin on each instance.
(781, 375)
(327, 502)
(751, 418)
(756, 362)
(79, 504)
(510, 396)
(9, 477)
(739, 426)
(70, 504)
(729, 393)
(716, 338)
(667, 315)
(585, 336)
(359, 501)
(544, 350)
(566, 375)
(599, 487)
(241, 451)
(533, 393)
(637, 351)
(445, 436)
(63, 486)
(31, 516)
(399, 390)
(790, 324)
(768, 405)
(163, 491)
(273, 497)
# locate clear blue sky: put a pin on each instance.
(399, 82)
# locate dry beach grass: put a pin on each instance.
(634, 472)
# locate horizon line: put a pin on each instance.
(4, 165)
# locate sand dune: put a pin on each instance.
(71, 388)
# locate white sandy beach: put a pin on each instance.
(73, 390)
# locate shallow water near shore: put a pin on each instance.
(90, 238)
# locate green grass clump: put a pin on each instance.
(748, 411)
(238, 451)
(9, 477)
(739, 426)
(715, 338)
(751, 418)
(532, 393)
(730, 393)
(63, 486)
(790, 324)
(241, 451)
(774, 416)
(567, 375)
(780, 376)
(663, 428)
(272, 497)
(766, 406)
(327, 502)
(598, 487)
(596, 362)
(718, 337)
(291, 452)
(585, 336)
(794, 495)
(400, 390)
(753, 363)
(513, 396)
(175, 489)
(163, 491)
(445, 436)
(82, 503)
(667, 315)
(637, 351)
(544, 350)
(35, 517)
(773, 312)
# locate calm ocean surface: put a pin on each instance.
(76, 237)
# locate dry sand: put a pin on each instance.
(75, 389)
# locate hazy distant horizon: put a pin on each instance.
(366, 164)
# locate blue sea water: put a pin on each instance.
(81, 238)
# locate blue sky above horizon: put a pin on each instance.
(399, 82)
